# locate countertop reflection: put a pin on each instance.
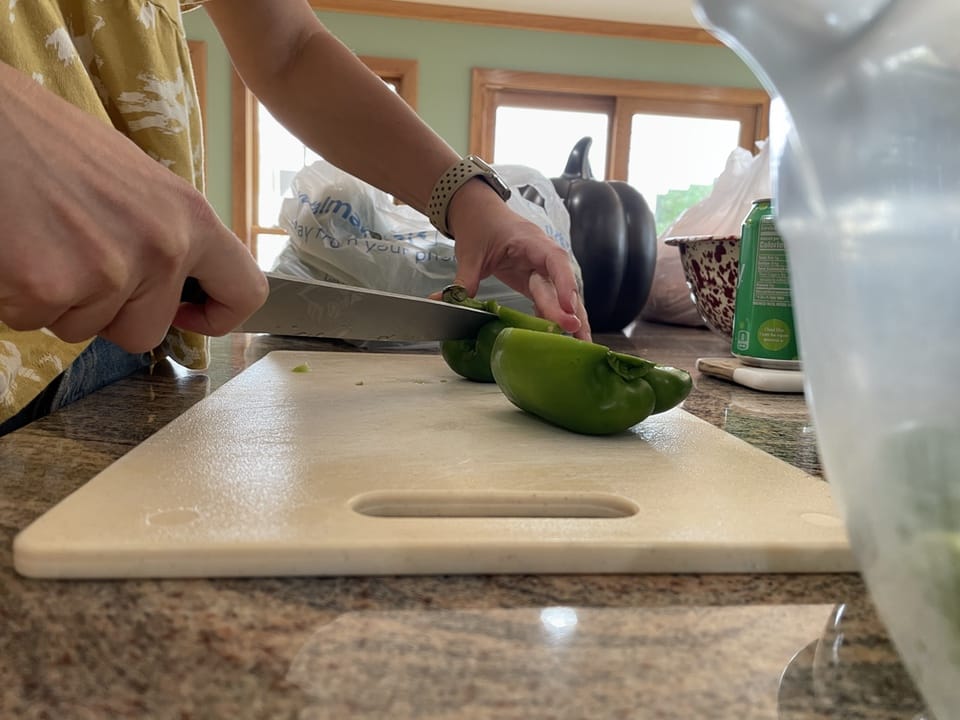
(795, 647)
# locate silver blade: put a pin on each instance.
(315, 308)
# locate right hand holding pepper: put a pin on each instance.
(491, 239)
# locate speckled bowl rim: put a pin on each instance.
(677, 240)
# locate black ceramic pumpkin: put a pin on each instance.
(614, 238)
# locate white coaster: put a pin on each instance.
(757, 378)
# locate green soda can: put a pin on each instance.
(764, 333)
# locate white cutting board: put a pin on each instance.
(286, 473)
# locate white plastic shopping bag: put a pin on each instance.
(344, 230)
(745, 178)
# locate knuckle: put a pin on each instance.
(200, 214)
(171, 252)
(112, 276)
(198, 208)
(45, 289)
(171, 244)
(260, 292)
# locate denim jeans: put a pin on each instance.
(100, 364)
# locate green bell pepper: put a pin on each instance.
(582, 386)
(471, 358)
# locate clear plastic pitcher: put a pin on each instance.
(866, 179)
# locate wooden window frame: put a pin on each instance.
(620, 99)
(198, 60)
(401, 73)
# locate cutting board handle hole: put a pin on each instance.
(492, 504)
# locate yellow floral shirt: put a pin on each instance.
(127, 63)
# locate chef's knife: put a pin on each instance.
(314, 308)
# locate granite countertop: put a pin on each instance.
(793, 647)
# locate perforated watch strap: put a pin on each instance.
(446, 187)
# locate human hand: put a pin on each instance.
(100, 237)
(491, 239)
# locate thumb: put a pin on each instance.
(468, 275)
(472, 286)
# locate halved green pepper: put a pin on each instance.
(471, 358)
(582, 386)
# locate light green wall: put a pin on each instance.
(447, 52)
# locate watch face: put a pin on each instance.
(484, 165)
(492, 176)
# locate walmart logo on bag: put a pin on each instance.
(334, 207)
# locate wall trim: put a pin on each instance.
(518, 20)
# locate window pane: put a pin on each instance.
(675, 160)
(269, 246)
(281, 156)
(542, 139)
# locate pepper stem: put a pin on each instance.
(457, 295)
(516, 318)
(629, 367)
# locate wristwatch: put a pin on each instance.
(452, 180)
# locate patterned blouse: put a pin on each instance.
(127, 63)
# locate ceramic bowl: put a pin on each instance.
(710, 265)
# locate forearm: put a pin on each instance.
(325, 96)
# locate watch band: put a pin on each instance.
(452, 180)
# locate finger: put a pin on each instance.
(235, 287)
(31, 301)
(73, 317)
(470, 260)
(584, 333)
(135, 327)
(142, 322)
(544, 294)
(216, 318)
(213, 318)
(469, 278)
(77, 325)
(568, 293)
(560, 272)
(24, 317)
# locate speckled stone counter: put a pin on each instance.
(793, 647)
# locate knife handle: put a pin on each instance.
(192, 292)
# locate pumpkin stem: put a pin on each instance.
(578, 162)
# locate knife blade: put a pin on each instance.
(315, 308)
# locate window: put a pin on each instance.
(266, 157)
(669, 141)
(519, 139)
